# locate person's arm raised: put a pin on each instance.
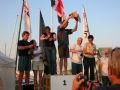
(62, 25)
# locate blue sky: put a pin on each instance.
(103, 20)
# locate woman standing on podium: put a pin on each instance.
(50, 51)
(37, 65)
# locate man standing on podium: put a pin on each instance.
(63, 42)
(24, 65)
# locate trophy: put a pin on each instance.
(75, 15)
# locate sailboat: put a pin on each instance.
(7, 72)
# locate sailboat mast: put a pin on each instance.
(5, 49)
(19, 30)
(51, 18)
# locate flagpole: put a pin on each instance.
(19, 32)
(51, 19)
(39, 29)
(5, 49)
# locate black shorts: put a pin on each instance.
(63, 51)
(24, 64)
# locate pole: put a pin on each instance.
(51, 19)
(19, 32)
(5, 49)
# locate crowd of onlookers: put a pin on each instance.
(110, 74)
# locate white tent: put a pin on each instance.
(7, 73)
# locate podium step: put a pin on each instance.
(57, 82)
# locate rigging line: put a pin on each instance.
(13, 35)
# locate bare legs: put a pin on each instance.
(20, 80)
(65, 65)
(40, 80)
(36, 72)
(63, 60)
(61, 63)
(35, 79)
(27, 74)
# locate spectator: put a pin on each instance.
(89, 51)
(97, 57)
(76, 50)
(113, 73)
(104, 67)
(113, 70)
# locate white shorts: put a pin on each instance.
(37, 65)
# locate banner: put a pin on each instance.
(41, 27)
(85, 27)
(26, 16)
(59, 8)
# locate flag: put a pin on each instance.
(26, 16)
(59, 8)
(85, 27)
(41, 27)
(41, 31)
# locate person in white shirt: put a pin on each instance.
(76, 50)
(104, 67)
(97, 66)
(37, 65)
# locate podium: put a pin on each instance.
(57, 82)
